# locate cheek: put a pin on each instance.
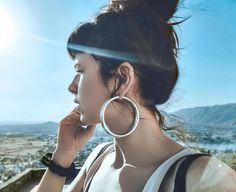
(93, 94)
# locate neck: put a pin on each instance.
(146, 146)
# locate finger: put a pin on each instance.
(75, 117)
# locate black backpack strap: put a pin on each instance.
(180, 178)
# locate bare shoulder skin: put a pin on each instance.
(210, 174)
(205, 174)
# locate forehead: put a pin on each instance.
(84, 59)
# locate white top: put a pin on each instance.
(156, 178)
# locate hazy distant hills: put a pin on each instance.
(219, 115)
(34, 128)
(49, 128)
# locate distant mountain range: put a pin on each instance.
(218, 115)
(33, 128)
(49, 128)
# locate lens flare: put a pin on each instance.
(7, 31)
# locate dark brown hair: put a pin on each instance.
(140, 32)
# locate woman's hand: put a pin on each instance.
(71, 137)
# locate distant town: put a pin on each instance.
(21, 151)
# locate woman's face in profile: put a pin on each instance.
(89, 89)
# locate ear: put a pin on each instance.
(125, 74)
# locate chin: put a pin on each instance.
(85, 120)
(82, 120)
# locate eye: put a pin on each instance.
(79, 71)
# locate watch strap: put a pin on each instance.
(56, 168)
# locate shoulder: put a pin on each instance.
(210, 174)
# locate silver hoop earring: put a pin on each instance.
(107, 129)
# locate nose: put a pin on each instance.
(73, 87)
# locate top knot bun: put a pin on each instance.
(164, 9)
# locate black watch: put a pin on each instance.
(56, 168)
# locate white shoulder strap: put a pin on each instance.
(93, 155)
(96, 164)
(154, 182)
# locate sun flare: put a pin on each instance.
(7, 31)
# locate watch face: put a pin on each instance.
(46, 159)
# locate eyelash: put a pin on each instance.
(79, 71)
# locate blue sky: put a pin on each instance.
(35, 70)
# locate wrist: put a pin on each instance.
(64, 160)
(59, 166)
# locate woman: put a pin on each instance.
(126, 64)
